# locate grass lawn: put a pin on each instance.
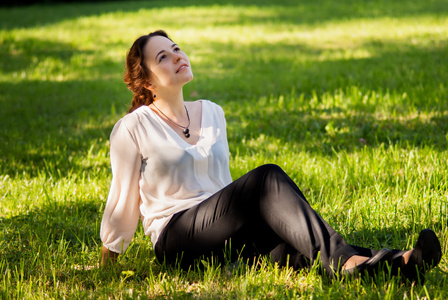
(349, 97)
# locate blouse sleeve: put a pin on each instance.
(121, 214)
(224, 129)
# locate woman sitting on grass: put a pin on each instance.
(170, 165)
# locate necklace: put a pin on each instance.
(186, 131)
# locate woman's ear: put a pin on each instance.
(149, 86)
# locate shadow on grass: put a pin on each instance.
(337, 104)
(24, 54)
(244, 72)
(56, 131)
(317, 134)
(285, 12)
(47, 125)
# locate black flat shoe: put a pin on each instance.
(425, 256)
(375, 264)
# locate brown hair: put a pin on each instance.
(137, 73)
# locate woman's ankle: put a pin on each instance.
(354, 261)
(406, 256)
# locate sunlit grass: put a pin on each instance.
(350, 98)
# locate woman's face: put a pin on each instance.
(169, 66)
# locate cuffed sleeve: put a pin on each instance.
(121, 214)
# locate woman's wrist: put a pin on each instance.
(108, 256)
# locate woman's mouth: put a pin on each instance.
(182, 67)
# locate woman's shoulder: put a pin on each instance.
(131, 121)
(135, 117)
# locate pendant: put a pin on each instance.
(187, 132)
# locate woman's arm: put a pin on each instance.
(122, 212)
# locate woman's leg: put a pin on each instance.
(257, 212)
(286, 256)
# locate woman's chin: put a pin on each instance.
(189, 78)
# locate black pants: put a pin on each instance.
(263, 212)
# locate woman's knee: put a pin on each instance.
(270, 170)
(274, 178)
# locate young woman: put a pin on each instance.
(170, 165)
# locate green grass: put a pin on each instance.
(349, 97)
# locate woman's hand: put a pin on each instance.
(108, 256)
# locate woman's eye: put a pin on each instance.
(162, 58)
(176, 49)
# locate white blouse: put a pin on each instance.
(156, 174)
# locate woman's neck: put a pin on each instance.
(171, 104)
